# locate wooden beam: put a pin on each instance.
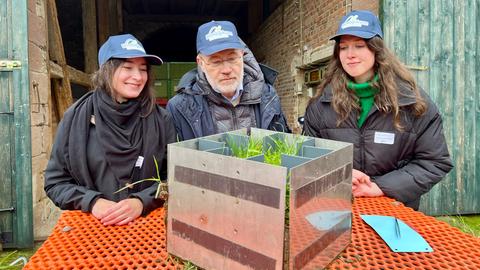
(75, 76)
(119, 16)
(102, 21)
(56, 71)
(79, 77)
(113, 18)
(55, 48)
(61, 87)
(60, 97)
(89, 15)
(110, 21)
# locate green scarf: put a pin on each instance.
(366, 97)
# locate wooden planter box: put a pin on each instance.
(229, 213)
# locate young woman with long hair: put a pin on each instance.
(370, 99)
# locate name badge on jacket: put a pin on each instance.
(384, 137)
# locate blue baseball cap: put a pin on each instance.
(359, 23)
(217, 36)
(125, 46)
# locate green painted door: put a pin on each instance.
(16, 226)
(438, 41)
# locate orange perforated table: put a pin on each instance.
(452, 249)
(79, 241)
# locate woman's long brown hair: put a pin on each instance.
(390, 72)
(102, 80)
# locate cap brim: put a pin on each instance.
(151, 59)
(220, 47)
(360, 34)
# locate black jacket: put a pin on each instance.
(190, 106)
(78, 171)
(403, 164)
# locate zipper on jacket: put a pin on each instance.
(362, 138)
(189, 123)
(234, 118)
(362, 147)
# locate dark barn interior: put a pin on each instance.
(165, 27)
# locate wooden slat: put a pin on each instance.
(442, 35)
(102, 20)
(22, 150)
(56, 71)
(472, 104)
(61, 102)
(423, 49)
(109, 17)
(75, 76)
(458, 97)
(56, 49)
(79, 77)
(7, 125)
(113, 27)
(63, 98)
(89, 15)
(119, 15)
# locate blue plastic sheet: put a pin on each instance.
(398, 235)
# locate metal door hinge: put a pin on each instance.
(422, 68)
(9, 65)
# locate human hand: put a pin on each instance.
(101, 207)
(365, 190)
(358, 177)
(123, 212)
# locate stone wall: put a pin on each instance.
(294, 36)
(45, 214)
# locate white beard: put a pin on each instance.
(225, 90)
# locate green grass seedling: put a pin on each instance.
(162, 190)
(253, 148)
(273, 155)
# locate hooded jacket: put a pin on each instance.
(404, 164)
(195, 102)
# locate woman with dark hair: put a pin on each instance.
(110, 138)
(370, 99)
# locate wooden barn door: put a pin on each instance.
(16, 225)
(438, 41)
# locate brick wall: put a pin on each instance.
(296, 34)
(45, 214)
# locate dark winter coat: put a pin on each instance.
(404, 164)
(192, 108)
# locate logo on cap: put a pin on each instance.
(353, 21)
(216, 32)
(132, 44)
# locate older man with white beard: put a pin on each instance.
(228, 90)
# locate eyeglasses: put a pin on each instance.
(216, 63)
